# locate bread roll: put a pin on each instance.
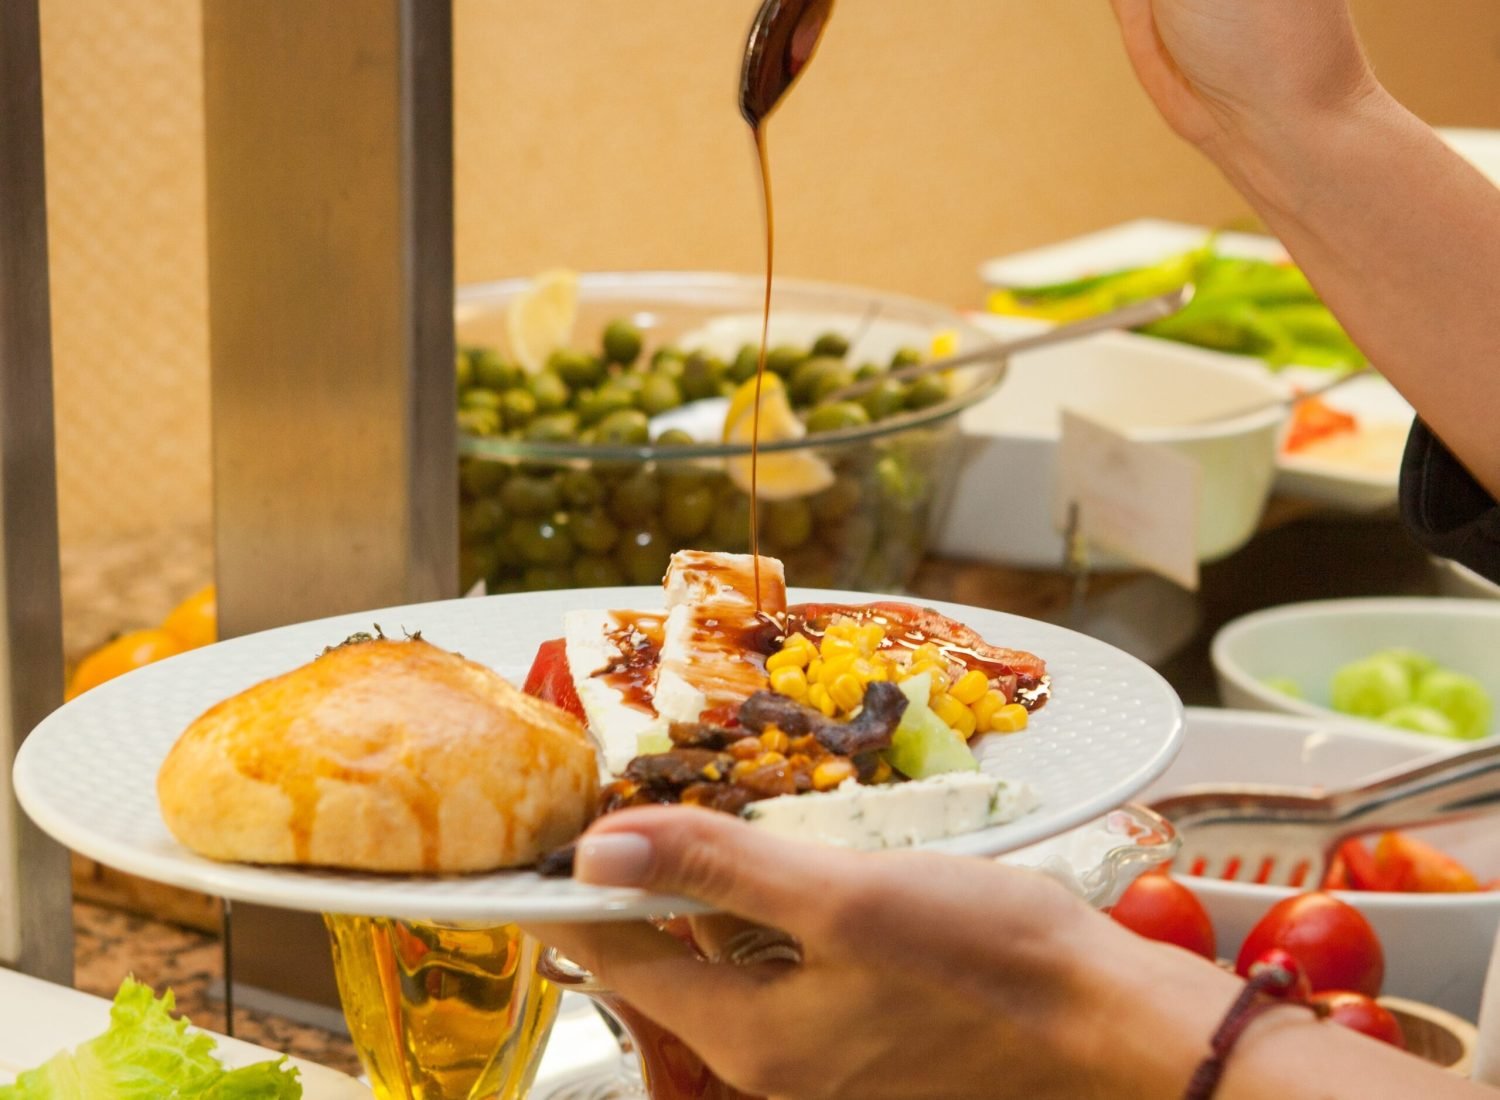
(381, 755)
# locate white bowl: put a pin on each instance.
(1001, 508)
(1308, 642)
(1436, 946)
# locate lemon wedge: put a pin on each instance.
(783, 475)
(540, 319)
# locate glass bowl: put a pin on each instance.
(1098, 861)
(559, 514)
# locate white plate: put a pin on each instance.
(1358, 474)
(87, 774)
(38, 1019)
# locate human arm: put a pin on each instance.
(940, 977)
(1399, 235)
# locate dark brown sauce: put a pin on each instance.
(785, 37)
(638, 639)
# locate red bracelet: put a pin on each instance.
(1277, 979)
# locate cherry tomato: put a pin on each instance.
(1300, 991)
(551, 680)
(1359, 1013)
(1159, 907)
(1332, 940)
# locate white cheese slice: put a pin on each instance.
(897, 815)
(615, 724)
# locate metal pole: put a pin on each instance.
(330, 246)
(36, 918)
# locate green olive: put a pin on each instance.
(596, 572)
(608, 398)
(788, 523)
(643, 554)
(730, 530)
(505, 586)
(538, 578)
(636, 499)
(475, 564)
(886, 399)
(576, 368)
(479, 520)
(896, 482)
(528, 495)
(701, 376)
(675, 437)
(831, 343)
(838, 500)
(929, 390)
(463, 370)
(492, 371)
(622, 342)
(480, 477)
(837, 416)
(580, 488)
(625, 428)
(594, 532)
(745, 363)
(687, 510)
(784, 360)
(480, 397)
(811, 376)
(517, 407)
(558, 427)
(659, 394)
(867, 371)
(906, 357)
(663, 353)
(668, 366)
(551, 392)
(541, 540)
(479, 421)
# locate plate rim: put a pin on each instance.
(281, 886)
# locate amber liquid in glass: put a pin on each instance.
(442, 1013)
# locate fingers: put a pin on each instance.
(716, 859)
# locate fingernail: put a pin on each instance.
(614, 859)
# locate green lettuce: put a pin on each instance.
(146, 1054)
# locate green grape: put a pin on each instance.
(1419, 719)
(1416, 664)
(1371, 687)
(1461, 699)
(1285, 685)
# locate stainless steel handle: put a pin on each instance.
(1461, 785)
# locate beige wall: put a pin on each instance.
(601, 133)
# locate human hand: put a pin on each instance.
(1217, 68)
(922, 975)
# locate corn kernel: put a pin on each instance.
(834, 667)
(788, 658)
(939, 672)
(883, 772)
(986, 708)
(817, 696)
(769, 760)
(791, 682)
(970, 687)
(746, 748)
(870, 637)
(799, 641)
(712, 773)
(837, 647)
(927, 652)
(774, 739)
(815, 670)
(967, 722)
(830, 773)
(847, 691)
(949, 709)
(869, 671)
(1009, 718)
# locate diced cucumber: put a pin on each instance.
(651, 743)
(924, 745)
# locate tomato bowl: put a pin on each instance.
(1436, 945)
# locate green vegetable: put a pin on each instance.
(622, 342)
(1459, 698)
(1371, 687)
(648, 744)
(831, 343)
(146, 1054)
(923, 744)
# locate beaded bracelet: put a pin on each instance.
(1277, 979)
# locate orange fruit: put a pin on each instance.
(195, 621)
(127, 652)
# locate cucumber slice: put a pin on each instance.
(924, 745)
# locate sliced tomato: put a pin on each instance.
(1365, 870)
(1420, 868)
(1313, 420)
(551, 680)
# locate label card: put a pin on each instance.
(1138, 500)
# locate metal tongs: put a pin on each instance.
(1137, 313)
(1286, 835)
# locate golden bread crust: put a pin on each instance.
(381, 755)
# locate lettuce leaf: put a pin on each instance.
(146, 1054)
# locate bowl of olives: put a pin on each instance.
(605, 421)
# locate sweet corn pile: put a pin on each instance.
(832, 677)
